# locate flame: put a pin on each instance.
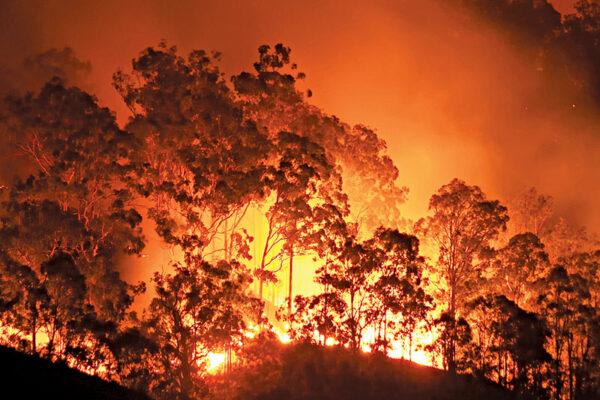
(283, 337)
(417, 356)
(215, 361)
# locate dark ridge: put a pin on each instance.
(311, 372)
(31, 377)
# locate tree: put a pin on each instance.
(64, 226)
(568, 297)
(349, 276)
(271, 96)
(565, 240)
(509, 345)
(76, 199)
(518, 266)
(462, 225)
(307, 195)
(199, 308)
(400, 302)
(531, 212)
(202, 160)
(372, 285)
(46, 311)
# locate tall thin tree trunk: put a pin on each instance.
(33, 334)
(228, 359)
(225, 242)
(353, 321)
(451, 354)
(410, 341)
(290, 281)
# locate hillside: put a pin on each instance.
(30, 377)
(309, 372)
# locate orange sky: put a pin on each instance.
(448, 99)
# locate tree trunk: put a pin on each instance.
(225, 242)
(451, 356)
(410, 341)
(33, 334)
(353, 322)
(290, 281)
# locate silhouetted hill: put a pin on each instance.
(305, 372)
(24, 376)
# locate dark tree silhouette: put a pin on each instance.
(375, 284)
(513, 343)
(198, 309)
(64, 227)
(202, 161)
(518, 266)
(462, 227)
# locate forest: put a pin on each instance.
(241, 183)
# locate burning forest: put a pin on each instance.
(190, 224)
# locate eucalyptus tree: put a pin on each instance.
(68, 222)
(462, 226)
(306, 196)
(568, 296)
(372, 285)
(203, 162)
(272, 96)
(509, 345)
(198, 309)
(517, 266)
(531, 212)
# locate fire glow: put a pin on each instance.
(189, 225)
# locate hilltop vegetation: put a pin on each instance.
(305, 371)
(508, 293)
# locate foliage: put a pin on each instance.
(271, 97)
(518, 266)
(201, 161)
(65, 225)
(510, 344)
(375, 284)
(462, 227)
(305, 371)
(197, 153)
(200, 308)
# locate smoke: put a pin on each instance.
(452, 96)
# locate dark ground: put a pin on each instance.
(23, 376)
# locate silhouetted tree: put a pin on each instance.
(509, 345)
(271, 97)
(307, 194)
(76, 200)
(569, 296)
(531, 212)
(400, 302)
(63, 227)
(202, 161)
(462, 227)
(518, 266)
(198, 309)
(375, 284)
(559, 300)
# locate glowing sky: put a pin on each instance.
(449, 99)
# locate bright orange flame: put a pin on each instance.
(418, 356)
(215, 361)
(283, 337)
